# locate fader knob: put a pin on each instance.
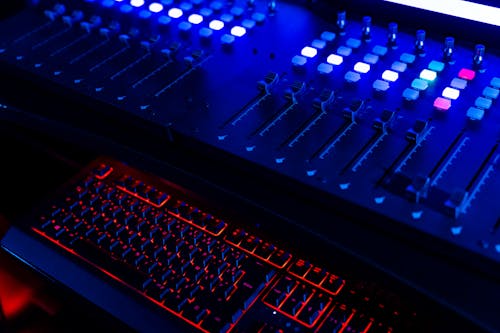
(392, 37)
(478, 60)
(449, 49)
(420, 42)
(341, 22)
(367, 28)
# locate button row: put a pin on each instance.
(484, 102)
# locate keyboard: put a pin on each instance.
(144, 234)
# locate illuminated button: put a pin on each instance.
(483, 103)
(107, 3)
(399, 66)
(352, 77)
(205, 32)
(495, 82)
(458, 83)
(380, 85)
(248, 24)
(353, 43)
(156, 7)
(195, 18)
(407, 58)
(238, 31)
(371, 59)
(328, 36)
(344, 51)
(325, 68)
(390, 76)
(186, 6)
(436, 66)
(227, 39)
(185, 26)
(467, 74)
(167, 2)
(299, 60)
(216, 5)
(309, 52)
(490, 92)
(237, 11)
(197, 2)
(410, 94)
(175, 13)
(379, 50)
(137, 3)
(318, 44)
(216, 25)
(259, 17)
(206, 12)
(362, 67)
(227, 18)
(428, 75)
(126, 8)
(442, 104)
(451, 93)
(419, 84)
(164, 20)
(475, 113)
(335, 59)
(145, 14)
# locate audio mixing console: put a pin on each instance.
(380, 121)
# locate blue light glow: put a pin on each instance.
(175, 13)
(335, 59)
(309, 52)
(137, 3)
(216, 25)
(390, 76)
(126, 8)
(195, 18)
(156, 7)
(362, 67)
(238, 31)
(428, 75)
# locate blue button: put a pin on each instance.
(411, 94)
(344, 51)
(380, 85)
(483, 103)
(227, 18)
(227, 39)
(353, 43)
(352, 77)
(495, 82)
(399, 66)
(318, 44)
(458, 83)
(371, 59)
(248, 24)
(205, 32)
(325, 68)
(186, 6)
(185, 26)
(475, 113)
(436, 66)
(206, 12)
(216, 5)
(490, 92)
(328, 36)
(299, 60)
(259, 17)
(419, 84)
(237, 11)
(164, 20)
(379, 50)
(407, 58)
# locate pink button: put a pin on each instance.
(442, 104)
(467, 74)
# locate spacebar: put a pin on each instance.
(105, 261)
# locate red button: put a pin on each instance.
(442, 104)
(467, 74)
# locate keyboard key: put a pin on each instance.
(491, 93)
(483, 103)
(475, 113)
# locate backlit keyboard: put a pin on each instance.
(140, 231)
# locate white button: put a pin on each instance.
(362, 67)
(390, 76)
(309, 52)
(335, 59)
(451, 93)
